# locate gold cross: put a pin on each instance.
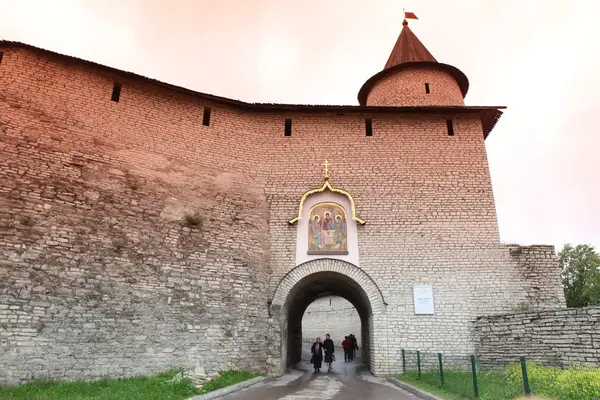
(327, 165)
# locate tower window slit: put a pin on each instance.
(1, 54)
(427, 88)
(116, 93)
(450, 127)
(206, 117)
(369, 127)
(288, 127)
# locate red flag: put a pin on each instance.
(409, 15)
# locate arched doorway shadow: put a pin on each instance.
(312, 280)
(313, 287)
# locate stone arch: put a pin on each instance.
(294, 276)
(312, 280)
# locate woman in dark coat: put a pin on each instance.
(317, 354)
(354, 345)
(329, 349)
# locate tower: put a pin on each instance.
(413, 77)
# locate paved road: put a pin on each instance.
(347, 380)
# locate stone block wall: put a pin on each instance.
(558, 337)
(132, 233)
(406, 87)
(541, 273)
(429, 215)
(125, 248)
(333, 315)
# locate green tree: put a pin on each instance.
(580, 266)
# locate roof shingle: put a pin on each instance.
(408, 48)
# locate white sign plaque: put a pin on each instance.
(423, 299)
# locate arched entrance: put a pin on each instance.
(312, 280)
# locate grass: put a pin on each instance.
(413, 380)
(155, 387)
(228, 378)
(575, 383)
(459, 384)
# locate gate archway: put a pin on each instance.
(312, 280)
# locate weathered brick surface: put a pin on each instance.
(100, 271)
(333, 315)
(540, 270)
(97, 257)
(406, 87)
(556, 337)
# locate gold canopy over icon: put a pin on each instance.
(327, 186)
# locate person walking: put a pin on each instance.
(329, 350)
(347, 345)
(354, 345)
(317, 354)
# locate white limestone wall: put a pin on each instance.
(334, 315)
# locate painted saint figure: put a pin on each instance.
(328, 222)
(340, 231)
(328, 230)
(315, 230)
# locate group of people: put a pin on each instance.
(350, 345)
(327, 348)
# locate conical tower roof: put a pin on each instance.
(409, 52)
(408, 48)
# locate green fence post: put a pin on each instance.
(474, 369)
(441, 368)
(419, 362)
(525, 377)
(403, 362)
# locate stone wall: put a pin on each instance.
(406, 87)
(124, 247)
(542, 276)
(133, 234)
(333, 315)
(555, 337)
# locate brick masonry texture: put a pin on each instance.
(556, 337)
(538, 268)
(333, 315)
(406, 87)
(133, 238)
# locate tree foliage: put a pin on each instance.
(580, 266)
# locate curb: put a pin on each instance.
(229, 389)
(414, 390)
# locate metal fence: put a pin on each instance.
(494, 380)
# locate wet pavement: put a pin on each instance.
(347, 380)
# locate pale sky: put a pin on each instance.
(540, 58)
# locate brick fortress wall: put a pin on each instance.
(137, 236)
(132, 238)
(554, 337)
(540, 271)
